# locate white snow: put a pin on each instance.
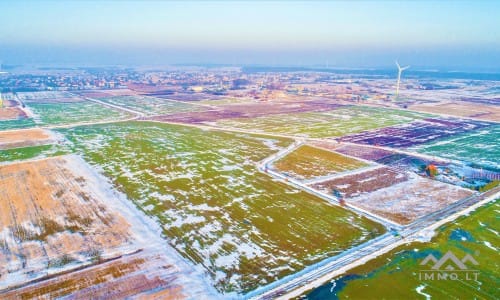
(420, 289)
(488, 244)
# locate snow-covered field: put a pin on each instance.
(409, 200)
(213, 204)
(67, 216)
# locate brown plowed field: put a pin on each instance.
(407, 201)
(361, 183)
(11, 113)
(462, 109)
(138, 275)
(51, 217)
(24, 138)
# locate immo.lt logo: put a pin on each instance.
(449, 267)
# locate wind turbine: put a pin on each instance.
(400, 70)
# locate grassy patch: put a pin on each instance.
(306, 162)
(73, 112)
(214, 206)
(152, 105)
(31, 152)
(17, 124)
(476, 235)
(479, 147)
(337, 122)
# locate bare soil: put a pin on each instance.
(25, 138)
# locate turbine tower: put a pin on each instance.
(400, 70)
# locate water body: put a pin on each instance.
(331, 290)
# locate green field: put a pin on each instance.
(396, 275)
(64, 113)
(307, 162)
(31, 152)
(152, 105)
(73, 113)
(333, 123)
(17, 124)
(215, 208)
(480, 147)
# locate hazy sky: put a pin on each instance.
(355, 33)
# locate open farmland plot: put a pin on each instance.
(214, 206)
(11, 113)
(117, 279)
(151, 105)
(479, 147)
(10, 110)
(61, 108)
(20, 123)
(186, 97)
(248, 110)
(43, 95)
(362, 183)
(23, 138)
(462, 109)
(409, 200)
(55, 219)
(226, 101)
(141, 274)
(73, 112)
(360, 151)
(40, 151)
(306, 162)
(475, 234)
(13, 117)
(338, 122)
(415, 133)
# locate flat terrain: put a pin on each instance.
(409, 200)
(51, 217)
(362, 183)
(152, 105)
(415, 133)
(32, 152)
(215, 208)
(361, 151)
(471, 176)
(248, 111)
(192, 210)
(135, 275)
(461, 109)
(73, 112)
(479, 147)
(11, 113)
(17, 123)
(24, 138)
(65, 232)
(475, 234)
(307, 162)
(43, 96)
(61, 108)
(332, 123)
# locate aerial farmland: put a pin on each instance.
(249, 150)
(255, 193)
